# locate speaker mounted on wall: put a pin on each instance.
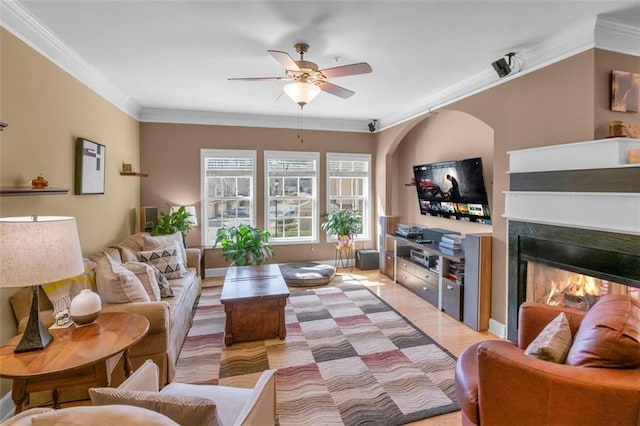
(148, 217)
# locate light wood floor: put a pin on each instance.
(448, 332)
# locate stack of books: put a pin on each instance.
(451, 242)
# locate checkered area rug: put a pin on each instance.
(348, 359)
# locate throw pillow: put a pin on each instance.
(166, 259)
(61, 292)
(182, 409)
(107, 415)
(116, 284)
(609, 334)
(147, 277)
(152, 242)
(553, 342)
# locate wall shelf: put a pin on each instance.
(134, 174)
(25, 190)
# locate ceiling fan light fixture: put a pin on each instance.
(301, 92)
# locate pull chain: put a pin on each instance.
(300, 125)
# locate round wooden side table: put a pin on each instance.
(76, 355)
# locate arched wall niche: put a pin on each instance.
(442, 136)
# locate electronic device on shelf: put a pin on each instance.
(418, 256)
(409, 231)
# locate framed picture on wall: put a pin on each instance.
(625, 91)
(90, 167)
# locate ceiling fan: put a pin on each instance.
(307, 79)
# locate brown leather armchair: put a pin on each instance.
(497, 384)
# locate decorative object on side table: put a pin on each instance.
(85, 307)
(36, 250)
(244, 245)
(344, 224)
(39, 183)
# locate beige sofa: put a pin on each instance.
(170, 318)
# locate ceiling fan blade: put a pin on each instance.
(285, 60)
(345, 70)
(325, 86)
(259, 78)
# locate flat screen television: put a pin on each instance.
(453, 189)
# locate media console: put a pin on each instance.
(456, 282)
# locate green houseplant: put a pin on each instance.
(171, 223)
(342, 223)
(244, 245)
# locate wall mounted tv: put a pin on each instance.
(453, 189)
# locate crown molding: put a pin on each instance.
(601, 32)
(19, 21)
(217, 118)
(618, 37)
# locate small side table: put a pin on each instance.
(343, 254)
(76, 355)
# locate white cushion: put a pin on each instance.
(117, 284)
(229, 401)
(147, 277)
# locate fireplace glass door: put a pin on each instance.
(554, 286)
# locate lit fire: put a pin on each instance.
(577, 285)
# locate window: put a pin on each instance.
(349, 186)
(291, 194)
(228, 188)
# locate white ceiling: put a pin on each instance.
(170, 60)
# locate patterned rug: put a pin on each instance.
(348, 359)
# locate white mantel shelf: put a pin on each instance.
(597, 154)
(606, 211)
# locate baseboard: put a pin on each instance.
(7, 408)
(497, 328)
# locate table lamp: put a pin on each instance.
(36, 250)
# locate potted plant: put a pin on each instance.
(344, 224)
(244, 245)
(172, 222)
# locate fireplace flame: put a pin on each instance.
(576, 285)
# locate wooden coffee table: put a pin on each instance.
(76, 355)
(254, 298)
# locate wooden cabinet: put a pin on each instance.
(477, 281)
(386, 227)
(459, 283)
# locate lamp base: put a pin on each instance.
(35, 336)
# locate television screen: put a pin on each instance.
(453, 189)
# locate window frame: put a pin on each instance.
(367, 214)
(315, 216)
(206, 153)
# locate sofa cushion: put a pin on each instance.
(116, 284)
(152, 242)
(553, 342)
(166, 259)
(185, 410)
(147, 276)
(609, 335)
(105, 415)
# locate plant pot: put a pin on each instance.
(344, 240)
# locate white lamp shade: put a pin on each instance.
(191, 211)
(301, 93)
(36, 250)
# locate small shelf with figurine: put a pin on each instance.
(127, 170)
(39, 186)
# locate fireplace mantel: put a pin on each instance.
(574, 206)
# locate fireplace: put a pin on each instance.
(568, 266)
(558, 287)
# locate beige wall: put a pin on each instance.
(46, 110)
(171, 155)
(565, 102)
